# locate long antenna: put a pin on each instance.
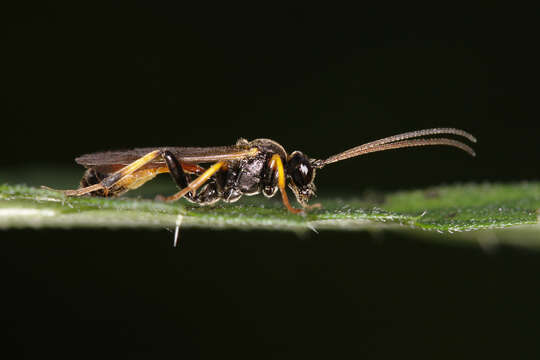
(400, 141)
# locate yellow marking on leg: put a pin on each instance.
(121, 175)
(276, 163)
(136, 165)
(198, 182)
(139, 178)
(82, 191)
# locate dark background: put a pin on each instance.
(80, 78)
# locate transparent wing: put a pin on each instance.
(193, 155)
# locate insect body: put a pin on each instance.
(247, 168)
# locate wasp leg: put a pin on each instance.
(195, 184)
(180, 178)
(121, 177)
(205, 195)
(178, 175)
(277, 164)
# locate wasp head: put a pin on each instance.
(301, 173)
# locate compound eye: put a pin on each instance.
(303, 174)
(300, 169)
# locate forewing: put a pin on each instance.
(192, 155)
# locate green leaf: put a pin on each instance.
(460, 212)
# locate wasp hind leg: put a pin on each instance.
(93, 177)
(127, 178)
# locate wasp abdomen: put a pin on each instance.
(92, 177)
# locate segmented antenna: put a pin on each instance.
(401, 141)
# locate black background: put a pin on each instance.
(80, 78)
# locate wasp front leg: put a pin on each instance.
(276, 178)
(275, 165)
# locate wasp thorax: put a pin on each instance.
(301, 174)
